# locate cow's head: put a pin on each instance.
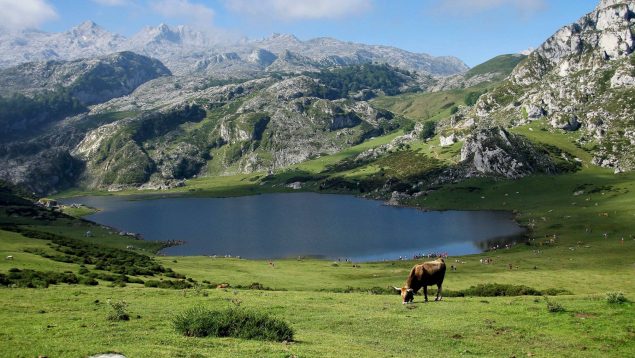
(407, 294)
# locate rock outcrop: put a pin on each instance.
(497, 152)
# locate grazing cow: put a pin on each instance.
(9, 257)
(423, 275)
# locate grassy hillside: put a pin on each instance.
(430, 106)
(502, 65)
(438, 105)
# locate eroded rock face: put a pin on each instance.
(494, 151)
(603, 35)
(582, 78)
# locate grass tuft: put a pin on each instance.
(200, 322)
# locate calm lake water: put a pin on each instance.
(301, 224)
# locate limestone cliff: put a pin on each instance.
(581, 78)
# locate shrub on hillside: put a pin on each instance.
(200, 322)
(555, 292)
(615, 298)
(177, 285)
(88, 281)
(118, 311)
(496, 289)
(428, 130)
(116, 261)
(36, 279)
(254, 286)
(554, 307)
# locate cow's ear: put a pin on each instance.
(410, 290)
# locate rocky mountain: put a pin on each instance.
(91, 81)
(37, 93)
(257, 125)
(84, 41)
(332, 52)
(173, 128)
(185, 50)
(581, 79)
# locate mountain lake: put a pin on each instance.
(301, 224)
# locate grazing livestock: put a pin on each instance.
(10, 257)
(423, 275)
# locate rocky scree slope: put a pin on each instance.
(582, 78)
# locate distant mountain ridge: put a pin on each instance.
(185, 50)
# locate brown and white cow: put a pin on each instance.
(423, 275)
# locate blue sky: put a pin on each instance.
(473, 30)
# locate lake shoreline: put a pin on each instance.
(415, 236)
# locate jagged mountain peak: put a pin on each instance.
(159, 33)
(603, 4)
(89, 34)
(88, 25)
(91, 28)
(261, 57)
(163, 34)
(605, 34)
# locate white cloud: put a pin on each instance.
(113, 2)
(184, 10)
(467, 7)
(15, 15)
(300, 9)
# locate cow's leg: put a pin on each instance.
(425, 293)
(438, 293)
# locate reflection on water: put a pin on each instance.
(301, 224)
